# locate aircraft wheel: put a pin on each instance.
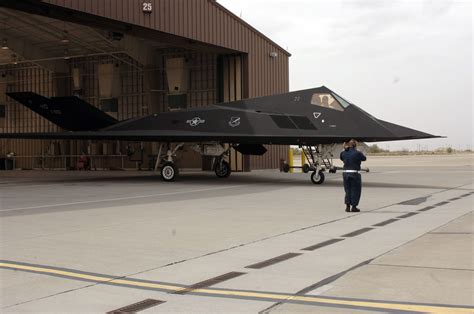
(169, 171)
(317, 177)
(306, 168)
(222, 169)
(286, 167)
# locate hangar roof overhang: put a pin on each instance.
(34, 33)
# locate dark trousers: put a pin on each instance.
(353, 188)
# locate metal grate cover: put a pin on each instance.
(357, 232)
(415, 201)
(210, 282)
(322, 244)
(272, 261)
(136, 307)
(407, 215)
(426, 208)
(386, 222)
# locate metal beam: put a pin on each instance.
(30, 53)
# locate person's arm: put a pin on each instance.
(362, 157)
(344, 146)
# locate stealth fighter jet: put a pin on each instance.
(315, 119)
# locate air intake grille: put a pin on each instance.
(283, 122)
(303, 123)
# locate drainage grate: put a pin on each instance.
(386, 222)
(209, 282)
(454, 199)
(357, 232)
(407, 215)
(415, 201)
(322, 244)
(441, 203)
(136, 307)
(426, 208)
(274, 260)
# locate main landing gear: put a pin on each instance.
(222, 168)
(169, 171)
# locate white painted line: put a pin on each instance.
(123, 198)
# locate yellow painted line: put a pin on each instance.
(262, 296)
(364, 304)
(90, 277)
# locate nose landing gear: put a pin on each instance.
(317, 177)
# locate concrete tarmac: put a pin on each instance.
(265, 241)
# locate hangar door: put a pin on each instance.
(230, 70)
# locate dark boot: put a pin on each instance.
(348, 208)
(355, 209)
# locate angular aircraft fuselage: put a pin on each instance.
(307, 117)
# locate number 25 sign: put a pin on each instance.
(147, 7)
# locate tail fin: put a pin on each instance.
(69, 113)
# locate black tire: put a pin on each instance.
(222, 169)
(306, 168)
(169, 171)
(317, 178)
(286, 167)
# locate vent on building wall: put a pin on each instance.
(177, 74)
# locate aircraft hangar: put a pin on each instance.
(129, 58)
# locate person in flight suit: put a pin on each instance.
(352, 159)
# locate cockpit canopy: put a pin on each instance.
(329, 100)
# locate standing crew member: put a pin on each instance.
(352, 159)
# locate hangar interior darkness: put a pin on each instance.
(124, 71)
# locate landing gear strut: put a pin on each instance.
(320, 160)
(168, 170)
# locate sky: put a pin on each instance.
(409, 62)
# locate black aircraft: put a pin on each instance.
(315, 119)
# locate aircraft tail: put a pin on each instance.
(69, 113)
